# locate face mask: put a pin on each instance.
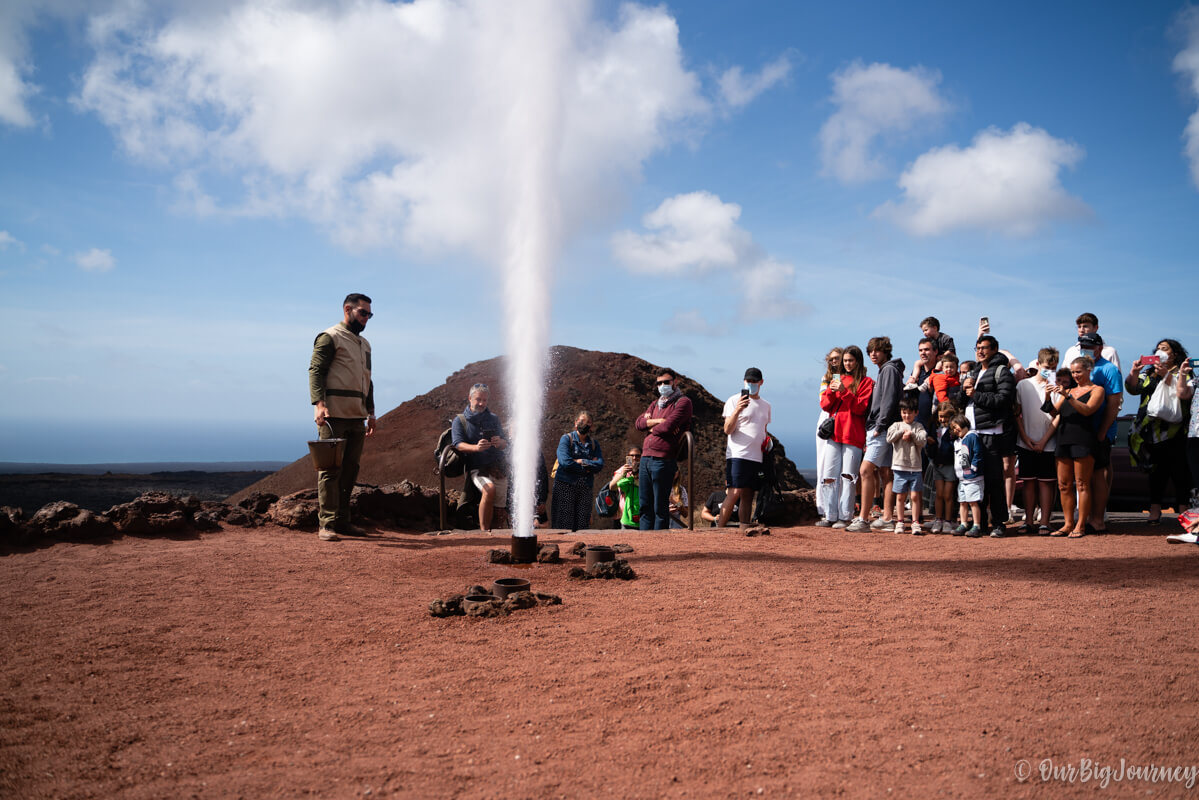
(583, 429)
(1163, 355)
(665, 390)
(753, 388)
(1087, 354)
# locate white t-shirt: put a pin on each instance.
(746, 439)
(1074, 351)
(1031, 395)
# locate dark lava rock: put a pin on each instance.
(68, 521)
(476, 589)
(548, 554)
(491, 608)
(153, 514)
(757, 530)
(622, 548)
(297, 511)
(547, 599)
(13, 529)
(404, 505)
(604, 569)
(497, 556)
(579, 549)
(447, 607)
(519, 600)
(258, 502)
(241, 518)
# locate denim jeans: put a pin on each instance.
(657, 474)
(839, 460)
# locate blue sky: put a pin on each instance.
(187, 191)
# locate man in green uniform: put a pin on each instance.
(339, 383)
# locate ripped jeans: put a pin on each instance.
(838, 478)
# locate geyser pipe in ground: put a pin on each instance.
(539, 31)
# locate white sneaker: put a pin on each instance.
(899, 527)
(840, 525)
(916, 529)
(881, 524)
(326, 535)
(1182, 538)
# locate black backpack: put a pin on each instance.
(607, 503)
(455, 465)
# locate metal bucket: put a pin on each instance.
(326, 453)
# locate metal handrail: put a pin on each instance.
(689, 441)
(441, 495)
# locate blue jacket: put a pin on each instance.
(968, 457)
(940, 451)
(578, 461)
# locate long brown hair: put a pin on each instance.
(828, 373)
(856, 352)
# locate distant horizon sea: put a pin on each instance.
(204, 446)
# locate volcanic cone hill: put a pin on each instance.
(614, 387)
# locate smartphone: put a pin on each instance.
(745, 392)
(1049, 376)
(984, 323)
(628, 461)
(1194, 363)
(1151, 361)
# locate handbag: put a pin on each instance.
(1165, 405)
(825, 431)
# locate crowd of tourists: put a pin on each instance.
(960, 430)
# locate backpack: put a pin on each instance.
(455, 465)
(606, 503)
(768, 505)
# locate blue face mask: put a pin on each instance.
(753, 388)
(665, 389)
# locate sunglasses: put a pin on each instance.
(665, 382)
(362, 312)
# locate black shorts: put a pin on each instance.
(741, 473)
(1031, 465)
(1005, 443)
(1103, 454)
(1068, 452)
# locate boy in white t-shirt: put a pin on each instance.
(746, 416)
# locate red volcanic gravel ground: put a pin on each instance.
(265, 663)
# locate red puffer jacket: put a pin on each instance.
(849, 407)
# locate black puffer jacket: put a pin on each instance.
(884, 402)
(995, 395)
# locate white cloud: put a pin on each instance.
(693, 323)
(7, 240)
(50, 250)
(393, 124)
(697, 233)
(737, 90)
(687, 231)
(95, 260)
(1187, 62)
(1004, 182)
(872, 101)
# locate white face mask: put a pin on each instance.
(665, 389)
(1163, 355)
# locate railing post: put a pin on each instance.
(690, 441)
(441, 495)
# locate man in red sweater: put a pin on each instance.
(665, 422)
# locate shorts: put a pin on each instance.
(501, 486)
(1069, 452)
(878, 450)
(905, 482)
(741, 473)
(1032, 465)
(945, 472)
(1103, 454)
(970, 491)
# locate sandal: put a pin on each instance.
(1025, 530)
(1077, 534)
(1062, 532)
